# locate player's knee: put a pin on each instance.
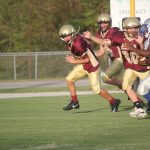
(70, 82)
(96, 90)
(125, 87)
(68, 78)
(104, 77)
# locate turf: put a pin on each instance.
(41, 124)
(50, 89)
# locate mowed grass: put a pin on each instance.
(51, 89)
(41, 124)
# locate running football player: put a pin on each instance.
(133, 68)
(86, 64)
(144, 86)
(105, 32)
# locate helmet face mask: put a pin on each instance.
(104, 21)
(62, 36)
(66, 37)
(67, 31)
(132, 32)
(104, 26)
(131, 26)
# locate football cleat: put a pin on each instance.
(142, 103)
(114, 107)
(138, 113)
(72, 105)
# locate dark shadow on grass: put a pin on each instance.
(89, 111)
(148, 117)
(125, 108)
(121, 108)
(142, 118)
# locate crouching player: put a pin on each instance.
(86, 64)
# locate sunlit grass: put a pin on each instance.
(51, 89)
(40, 123)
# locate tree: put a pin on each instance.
(32, 25)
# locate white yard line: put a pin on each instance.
(46, 94)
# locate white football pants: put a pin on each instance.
(144, 86)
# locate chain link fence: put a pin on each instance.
(37, 65)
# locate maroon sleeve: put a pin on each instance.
(117, 38)
(98, 34)
(113, 30)
(79, 46)
(116, 29)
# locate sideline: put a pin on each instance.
(47, 94)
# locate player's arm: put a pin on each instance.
(139, 51)
(140, 40)
(100, 41)
(100, 52)
(73, 60)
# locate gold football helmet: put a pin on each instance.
(104, 18)
(131, 22)
(66, 30)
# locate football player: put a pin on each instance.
(144, 86)
(133, 68)
(86, 64)
(105, 32)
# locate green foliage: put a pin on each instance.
(32, 25)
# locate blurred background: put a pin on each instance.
(32, 25)
(29, 44)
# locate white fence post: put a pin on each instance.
(36, 70)
(14, 62)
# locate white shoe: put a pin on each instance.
(138, 112)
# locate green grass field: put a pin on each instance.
(41, 124)
(51, 89)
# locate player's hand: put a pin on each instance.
(86, 34)
(70, 59)
(139, 40)
(127, 45)
(144, 61)
(101, 51)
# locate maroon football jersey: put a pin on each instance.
(108, 35)
(130, 59)
(81, 48)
